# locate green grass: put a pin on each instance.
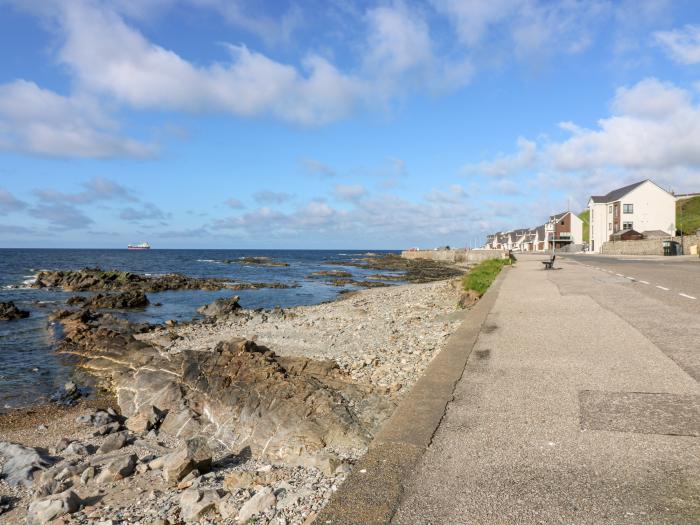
(690, 220)
(481, 276)
(584, 216)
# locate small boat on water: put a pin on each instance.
(141, 246)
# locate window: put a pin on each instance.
(628, 208)
(610, 209)
(610, 226)
(627, 226)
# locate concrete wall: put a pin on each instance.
(455, 256)
(646, 246)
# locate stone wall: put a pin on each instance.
(646, 246)
(455, 256)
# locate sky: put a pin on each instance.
(334, 124)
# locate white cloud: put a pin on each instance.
(655, 125)
(95, 189)
(272, 197)
(505, 165)
(234, 203)
(349, 192)
(531, 28)
(38, 121)
(682, 45)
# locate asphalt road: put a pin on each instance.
(673, 280)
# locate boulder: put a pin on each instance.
(194, 454)
(239, 480)
(145, 419)
(113, 442)
(263, 500)
(468, 298)
(221, 307)
(120, 468)
(22, 463)
(9, 312)
(195, 504)
(44, 510)
(120, 301)
(76, 448)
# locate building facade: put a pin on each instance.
(642, 206)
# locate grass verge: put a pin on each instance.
(482, 275)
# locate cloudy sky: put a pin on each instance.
(312, 124)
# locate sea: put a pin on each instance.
(30, 369)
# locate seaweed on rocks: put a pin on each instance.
(415, 270)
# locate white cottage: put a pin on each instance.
(641, 206)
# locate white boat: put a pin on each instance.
(141, 246)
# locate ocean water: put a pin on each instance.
(30, 370)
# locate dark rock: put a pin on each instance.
(414, 270)
(97, 280)
(120, 301)
(330, 273)
(9, 312)
(221, 307)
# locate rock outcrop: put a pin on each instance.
(10, 312)
(23, 464)
(97, 280)
(120, 301)
(414, 270)
(221, 307)
(283, 409)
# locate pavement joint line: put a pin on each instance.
(687, 296)
(662, 287)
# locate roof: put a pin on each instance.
(558, 216)
(617, 194)
(620, 233)
(655, 234)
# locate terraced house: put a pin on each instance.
(640, 208)
(561, 230)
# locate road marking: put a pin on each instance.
(662, 287)
(619, 275)
(630, 278)
(687, 296)
(643, 282)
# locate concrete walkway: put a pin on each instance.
(565, 413)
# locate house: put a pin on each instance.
(641, 206)
(562, 230)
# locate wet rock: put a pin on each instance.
(221, 307)
(10, 312)
(97, 280)
(330, 273)
(22, 463)
(44, 510)
(120, 468)
(120, 301)
(263, 500)
(113, 442)
(68, 395)
(194, 454)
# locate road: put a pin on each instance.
(672, 280)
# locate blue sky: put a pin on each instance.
(330, 124)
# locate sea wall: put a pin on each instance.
(455, 256)
(647, 246)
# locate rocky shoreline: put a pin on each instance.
(245, 415)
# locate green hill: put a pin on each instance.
(688, 215)
(584, 217)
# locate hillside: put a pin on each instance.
(584, 217)
(689, 219)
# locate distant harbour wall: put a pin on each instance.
(647, 246)
(455, 256)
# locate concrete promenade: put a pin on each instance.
(579, 404)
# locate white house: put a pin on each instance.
(642, 206)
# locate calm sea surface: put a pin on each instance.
(30, 370)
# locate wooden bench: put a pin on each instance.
(548, 265)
